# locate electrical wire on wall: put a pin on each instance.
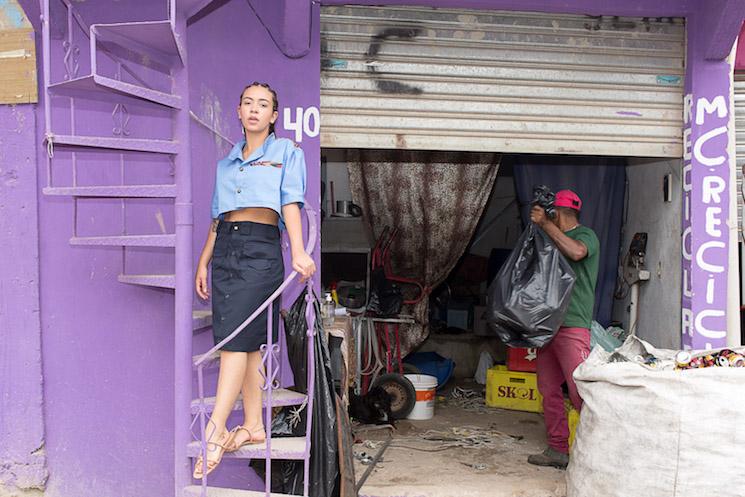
(622, 285)
(371, 363)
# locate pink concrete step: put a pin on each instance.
(288, 448)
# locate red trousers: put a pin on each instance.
(555, 364)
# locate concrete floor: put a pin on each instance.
(498, 471)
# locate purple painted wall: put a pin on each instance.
(107, 347)
(706, 185)
(22, 452)
(22, 444)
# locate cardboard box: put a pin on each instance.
(512, 390)
(521, 359)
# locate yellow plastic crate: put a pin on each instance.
(512, 390)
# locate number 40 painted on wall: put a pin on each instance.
(306, 121)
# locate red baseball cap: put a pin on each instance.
(567, 198)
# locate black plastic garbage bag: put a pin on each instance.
(386, 298)
(324, 461)
(529, 297)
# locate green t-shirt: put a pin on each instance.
(579, 314)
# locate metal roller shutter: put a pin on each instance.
(740, 140)
(444, 79)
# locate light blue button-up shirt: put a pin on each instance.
(274, 175)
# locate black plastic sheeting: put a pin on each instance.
(287, 476)
(529, 297)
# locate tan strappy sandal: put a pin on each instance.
(250, 441)
(211, 465)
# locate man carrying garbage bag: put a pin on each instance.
(571, 345)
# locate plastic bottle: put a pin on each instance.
(328, 309)
(334, 295)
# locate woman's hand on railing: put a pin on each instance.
(303, 264)
(200, 283)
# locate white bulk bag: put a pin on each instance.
(657, 432)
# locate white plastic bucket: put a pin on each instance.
(425, 387)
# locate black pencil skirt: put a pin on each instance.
(247, 268)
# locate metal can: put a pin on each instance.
(696, 362)
(723, 361)
(683, 359)
(736, 360)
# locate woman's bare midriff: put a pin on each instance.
(254, 214)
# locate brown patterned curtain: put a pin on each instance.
(435, 199)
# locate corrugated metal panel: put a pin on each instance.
(740, 139)
(442, 79)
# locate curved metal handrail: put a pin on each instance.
(312, 236)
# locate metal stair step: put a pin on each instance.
(118, 191)
(97, 86)
(213, 360)
(153, 280)
(196, 491)
(288, 448)
(155, 39)
(280, 397)
(191, 7)
(201, 319)
(133, 144)
(126, 240)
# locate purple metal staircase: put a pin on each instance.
(289, 448)
(137, 50)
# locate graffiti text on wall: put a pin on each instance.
(705, 238)
(385, 85)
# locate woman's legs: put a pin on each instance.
(233, 366)
(252, 404)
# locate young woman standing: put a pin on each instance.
(259, 189)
